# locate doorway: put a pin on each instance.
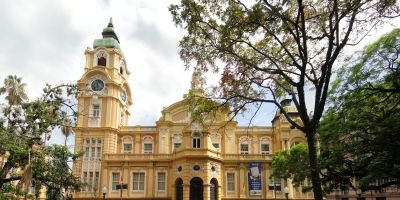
(196, 189)
(179, 189)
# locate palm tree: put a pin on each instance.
(66, 130)
(14, 90)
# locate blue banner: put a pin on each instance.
(254, 176)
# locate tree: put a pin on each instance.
(264, 49)
(24, 126)
(359, 133)
(292, 164)
(14, 89)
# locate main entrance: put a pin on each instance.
(196, 189)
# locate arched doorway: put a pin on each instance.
(213, 189)
(196, 189)
(179, 189)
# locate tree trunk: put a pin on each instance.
(312, 153)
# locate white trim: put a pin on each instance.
(127, 140)
(148, 140)
(111, 179)
(145, 180)
(234, 181)
(166, 180)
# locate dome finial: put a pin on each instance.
(110, 23)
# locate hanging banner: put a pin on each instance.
(254, 176)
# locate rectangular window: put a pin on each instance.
(161, 181)
(230, 182)
(87, 153)
(196, 143)
(127, 148)
(264, 148)
(115, 180)
(98, 152)
(148, 148)
(93, 152)
(122, 117)
(90, 182)
(138, 181)
(244, 148)
(84, 179)
(96, 180)
(96, 110)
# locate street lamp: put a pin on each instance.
(286, 191)
(104, 191)
(358, 191)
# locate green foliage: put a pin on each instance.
(359, 133)
(24, 128)
(266, 49)
(292, 164)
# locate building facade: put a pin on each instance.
(176, 158)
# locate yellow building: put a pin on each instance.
(176, 158)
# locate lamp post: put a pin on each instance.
(104, 191)
(286, 190)
(358, 191)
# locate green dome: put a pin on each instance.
(110, 38)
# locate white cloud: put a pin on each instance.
(43, 42)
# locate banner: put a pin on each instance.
(254, 176)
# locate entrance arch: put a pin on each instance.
(196, 189)
(179, 189)
(213, 189)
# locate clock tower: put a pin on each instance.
(103, 104)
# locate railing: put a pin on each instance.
(253, 128)
(191, 153)
(247, 157)
(139, 128)
(139, 157)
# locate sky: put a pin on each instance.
(44, 42)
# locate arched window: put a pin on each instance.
(147, 144)
(127, 144)
(196, 140)
(101, 58)
(244, 145)
(265, 145)
(121, 67)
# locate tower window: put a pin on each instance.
(102, 58)
(102, 61)
(96, 110)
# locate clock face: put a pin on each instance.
(123, 95)
(97, 85)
